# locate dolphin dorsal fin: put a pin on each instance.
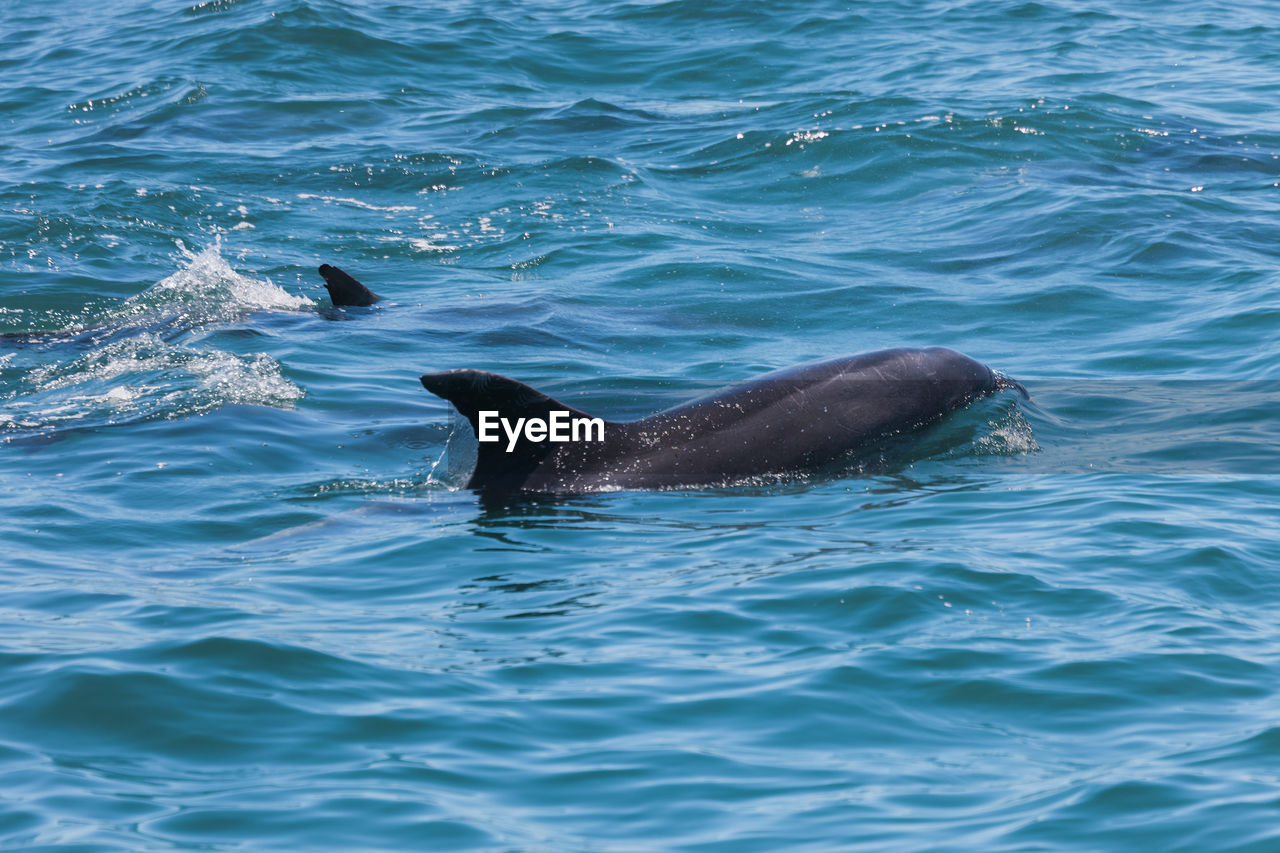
(344, 289)
(475, 391)
(472, 391)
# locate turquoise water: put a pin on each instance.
(246, 604)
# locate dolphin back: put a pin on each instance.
(789, 421)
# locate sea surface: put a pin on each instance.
(246, 602)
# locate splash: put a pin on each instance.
(211, 290)
(1009, 434)
(140, 361)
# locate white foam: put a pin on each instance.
(148, 378)
(140, 373)
(355, 202)
(254, 379)
(1010, 435)
(424, 244)
(210, 280)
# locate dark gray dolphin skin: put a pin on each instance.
(345, 290)
(787, 422)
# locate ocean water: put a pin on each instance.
(247, 604)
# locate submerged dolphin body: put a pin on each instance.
(345, 290)
(786, 422)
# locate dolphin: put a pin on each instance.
(345, 290)
(788, 422)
